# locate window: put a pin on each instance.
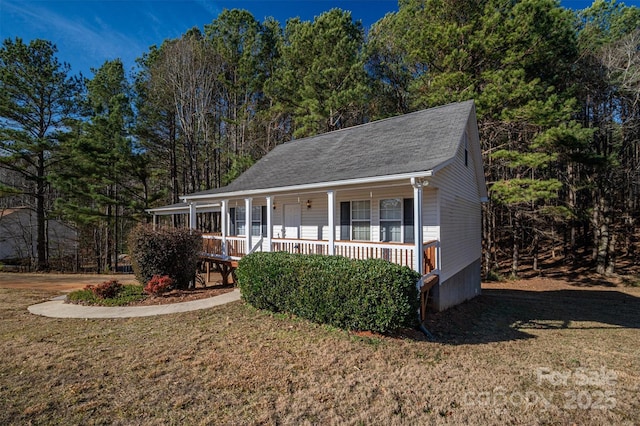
(391, 220)
(396, 220)
(257, 225)
(241, 229)
(256, 220)
(361, 220)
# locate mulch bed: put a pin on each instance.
(179, 296)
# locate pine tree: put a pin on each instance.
(37, 94)
(321, 81)
(99, 165)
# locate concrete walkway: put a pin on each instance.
(56, 308)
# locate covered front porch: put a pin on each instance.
(397, 222)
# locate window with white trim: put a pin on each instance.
(391, 220)
(256, 221)
(241, 229)
(361, 220)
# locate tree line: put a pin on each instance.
(557, 93)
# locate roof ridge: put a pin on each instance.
(380, 120)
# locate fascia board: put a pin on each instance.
(307, 187)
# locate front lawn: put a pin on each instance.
(559, 356)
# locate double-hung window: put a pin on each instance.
(258, 225)
(256, 220)
(391, 220)
(241, 226)
(396, 220)
(361, 220)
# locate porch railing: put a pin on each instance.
(402, 254)
(430, 256)
(212, 245)
(300, 246)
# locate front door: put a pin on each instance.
(291, 221)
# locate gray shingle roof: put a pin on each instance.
(414, 142)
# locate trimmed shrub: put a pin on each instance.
(105, 290)
(369, 294)
(171, 252)
(158, 285)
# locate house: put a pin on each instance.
(407, 189)
(19, 234)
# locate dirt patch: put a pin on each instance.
(58, 282)
(65, 283)
(69, 282)
(511, 310)
(547, 284)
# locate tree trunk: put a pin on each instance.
(602, 233)
(108, 239)
(515, 258)
(571, 202)
(173, 159)
(488, 243)
(116, 234)
(42, 264)
(97, 243)
(611, 258)
(536, 242)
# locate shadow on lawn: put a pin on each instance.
(502, 315)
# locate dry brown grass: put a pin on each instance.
(235, 365)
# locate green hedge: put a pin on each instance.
(369, 294)
(173, 252)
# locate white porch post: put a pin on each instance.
(269, 219)
(331, 209)
(223, 225)
(417, 224)
(248, 202)
(193, 219)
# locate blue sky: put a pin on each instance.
(89, 32)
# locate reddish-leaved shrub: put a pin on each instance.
(158, 284)
(106, 290)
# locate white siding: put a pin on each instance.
(460, 214)
(405, 190)
(314, 220)
(276, 214)
(430, 218)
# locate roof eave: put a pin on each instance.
(310, 186)
(183, 209)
